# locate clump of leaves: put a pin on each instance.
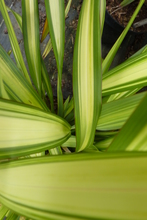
(104, 175)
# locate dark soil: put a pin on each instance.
(123, 15)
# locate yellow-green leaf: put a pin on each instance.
(56, 21)
(80, 186)
(3, 92)
(129, 75)
(133, 136)
(46, 27)
(16, 85)
(47, 49)
(17, 17)
(26, 130)
(13, 41)
(31, 36)
(114, 114)
(87, 73)
(47, 84)
(102, 14)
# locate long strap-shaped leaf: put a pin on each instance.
(85, 186)
(46, 31)
(87, 73)
(133, 136)
(25, 130)
(45, 76)
(102, 14)
(17, 17)
(47, 84)
(130, 92)
(126, 2)
(31, 36)
(114, 114)
(13, 40)
(127, 76)
(16, 84)
(56, 20)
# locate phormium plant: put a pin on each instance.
(99, 137)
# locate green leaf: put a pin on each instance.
(46, 27)
(13, 41)
(66, 103)
(17, 17)
(129, 75)
(47, 84)
(126, 2)
(31, 36)
(104, 144)
(110, 56)
(122, 94)
(87, 73)
(71, 142)
(114, 114)
(78, 186)
(3, 92)
(133, 136)
(100, 135)
(47, 49)
(55, 151)
(67, 7)
(26, 130)
(15, 83)
(56, 21)
(3, 211)
(11, 216)
(130, 92)
(69, 108)
(102, 14)
(45, 77)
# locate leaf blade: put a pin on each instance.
(56, 21)
(13, 41)
(87, 73)
(96, 193)
(33, 130)
(136, 140)
(30, 27)
(114, 114)
(129, 75)
(16, 85)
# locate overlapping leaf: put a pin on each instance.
(16, 85)
(46, 31)
(26, 130)
(127, 76)
(115, 114)
(79, 186)
(133, 136)
(13, 40)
